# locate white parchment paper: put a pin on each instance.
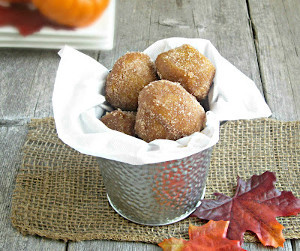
(79, 102)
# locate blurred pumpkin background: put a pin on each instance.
(74, 13)
(28, 17)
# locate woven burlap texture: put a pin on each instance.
(59, 192)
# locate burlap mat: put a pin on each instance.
(59, 192)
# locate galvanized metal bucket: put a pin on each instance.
(156, 194)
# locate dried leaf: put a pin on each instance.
(25, 19)
(173, 244)
(209, 237)
(254, 207)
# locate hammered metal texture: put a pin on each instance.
(156, 194)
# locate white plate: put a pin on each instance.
(98, 36)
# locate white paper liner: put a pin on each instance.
(79, 102)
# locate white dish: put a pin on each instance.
(98, 36)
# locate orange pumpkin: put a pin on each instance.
(75, 13)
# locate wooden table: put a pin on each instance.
(261, 38)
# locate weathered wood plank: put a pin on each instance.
(260, 247)
(296, 245)
(172, 19)
(26, 82)
(132, 29)
(12, 139)
(277, 32)
(16, 76)
(111, 246)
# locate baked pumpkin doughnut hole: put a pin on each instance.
(189, 67)
(129, 75)
(170, 108)
(167, 111)
(121, 121)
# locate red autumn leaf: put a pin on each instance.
(209, 237)
(25, 19)
(254, 207)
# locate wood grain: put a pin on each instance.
(132, 30)
(296, 245)
(111, 246)
(260, 247)
(26, 82)
(277, 33)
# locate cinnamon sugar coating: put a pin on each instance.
(167, 111)
(129, 75)
(120, 121)
(189, 67)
